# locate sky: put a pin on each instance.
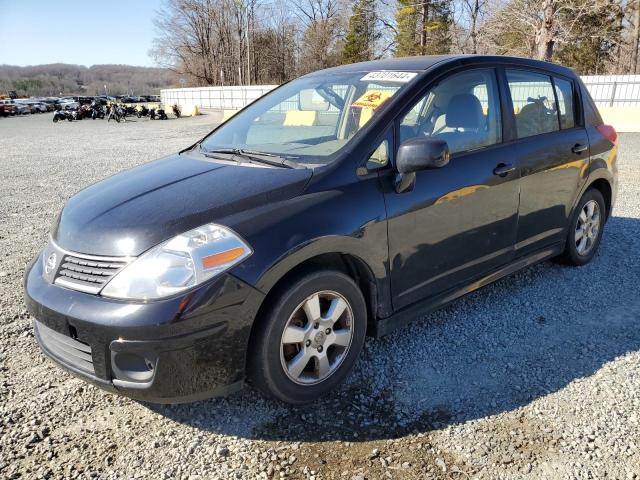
(89, 32)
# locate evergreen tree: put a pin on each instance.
(407, 29)
(423, 28)
(362, 33)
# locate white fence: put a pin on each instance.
(606, 90)
(614, 90)
(219, 98)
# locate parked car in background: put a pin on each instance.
(371, 193)
(132, 99)
(34, 106)
(50, 103)
(7, 108)
(42, 107)
(22, 108)
(68, 104)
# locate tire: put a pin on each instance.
(55, 119)
(585, 229)
(272, 368)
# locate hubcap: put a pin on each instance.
(316, 338)
(588, 227)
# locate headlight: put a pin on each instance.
(179, 264)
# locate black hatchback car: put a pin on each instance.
(341, 204)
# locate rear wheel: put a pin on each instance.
(585, 229)
(310, 338)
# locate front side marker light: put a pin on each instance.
(219, 259)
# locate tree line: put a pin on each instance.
(64, 79)
(241, 42)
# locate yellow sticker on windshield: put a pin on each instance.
(372, 99)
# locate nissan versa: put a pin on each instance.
(344, 203)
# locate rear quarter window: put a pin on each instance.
(566, 107)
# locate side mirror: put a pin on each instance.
(421, 154)
(415, 155)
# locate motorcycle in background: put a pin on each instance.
(176, 110)
(59, 115)
(142, 112)
(97, 112)
(82, 112)
(116, 113)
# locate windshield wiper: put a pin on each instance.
(256, 157)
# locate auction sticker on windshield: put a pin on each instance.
(402, 77)
(372, 99)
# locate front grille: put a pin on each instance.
(66, 349)
(87, 274)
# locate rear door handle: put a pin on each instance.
(503, 169)
(578, 148)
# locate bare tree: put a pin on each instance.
(476, 9)
(215, 42)
(537, 27)
(469, 23)
(322, 28)
(206, 40)
(275, 49)
(184, 41)
(635, 38)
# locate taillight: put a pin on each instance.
(608, 132)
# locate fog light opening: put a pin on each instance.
(133, 367)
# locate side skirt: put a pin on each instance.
(414, 312)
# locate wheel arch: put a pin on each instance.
(347, 263)
(602, 180)
(604, 187)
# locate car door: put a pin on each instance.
(459, 221)
(553, 149)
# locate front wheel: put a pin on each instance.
(585, 229)
(310, 338)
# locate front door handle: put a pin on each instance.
(578, 148)
(503, 169)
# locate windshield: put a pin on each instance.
(311, 118)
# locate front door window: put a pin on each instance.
(463, 110)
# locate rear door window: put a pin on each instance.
(534, 105)
(564, 93)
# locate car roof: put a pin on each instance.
(427, 61)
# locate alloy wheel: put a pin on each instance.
(316, 338)
(587, 227)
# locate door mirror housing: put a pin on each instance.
(421, 154)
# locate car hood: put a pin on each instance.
(128, 213)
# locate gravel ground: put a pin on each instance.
(536, 376)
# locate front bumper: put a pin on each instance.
(181, 349)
